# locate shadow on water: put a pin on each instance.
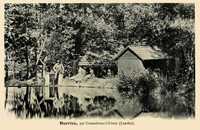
(120, 105)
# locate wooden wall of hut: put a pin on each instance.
(128, 63)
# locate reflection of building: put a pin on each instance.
(137, 58)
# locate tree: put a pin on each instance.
(66, 30)
(19, 25)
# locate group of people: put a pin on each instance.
(82, 76)
(58, 68)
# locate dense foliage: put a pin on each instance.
(67, 30)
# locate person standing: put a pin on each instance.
(59, 71)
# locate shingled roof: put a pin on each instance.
(144, 52)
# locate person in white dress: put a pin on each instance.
(58, 68)
(79, 77)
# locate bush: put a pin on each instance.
(179, 100)
(145, 89)
(141, 86)
(175, 96)
(126, 85)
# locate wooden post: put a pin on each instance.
(13, 69)
(47, 86)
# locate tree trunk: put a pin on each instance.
(27, 63)
(74, 67)
(13, 69)
(35, 66)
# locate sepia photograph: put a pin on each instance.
(99, 60)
